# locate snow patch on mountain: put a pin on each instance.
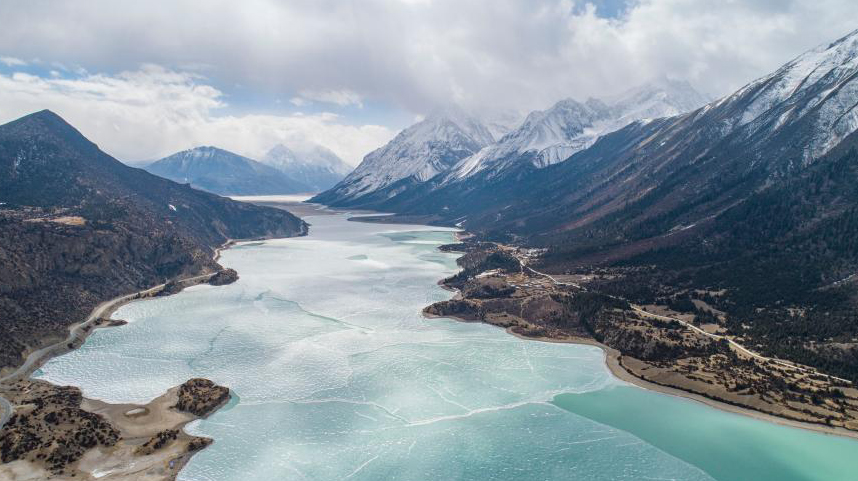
(311, 164)
(822, 82)
(570, 126)
(419, 152)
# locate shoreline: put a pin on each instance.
(614, 364)
(79, 332)
(613, 361)
(116, 414)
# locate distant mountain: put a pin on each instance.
(225, 173)
(404, 170)
(314, 166)
(415, 155)
(78, 227)
(552, 135)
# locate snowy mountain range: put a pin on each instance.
(417, 154)
(672, 174)
(312, 165)
(676, 172)
(451, 145)
(569, 126)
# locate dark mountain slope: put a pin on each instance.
(223, 172)
(784, 260)
(78, 227)
(651, 178)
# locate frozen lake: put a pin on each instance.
(336, 375)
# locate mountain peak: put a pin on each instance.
(280, 150)
(310, 163)
(417, 154)
(45, 124)
(464, 121)
(569, 126)
(223, 172)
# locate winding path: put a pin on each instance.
(80, 330)
(77, 332)
(736, 345)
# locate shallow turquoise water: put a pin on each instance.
(725, 445)
(338, 376)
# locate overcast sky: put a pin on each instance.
(145, 79)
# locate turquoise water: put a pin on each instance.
(725, 445)
(337, 375)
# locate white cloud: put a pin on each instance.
(410, 56)
(413, 55)
(343, 97)
(12, 62)
(152, 111)
(299, 101)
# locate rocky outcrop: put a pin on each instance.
(49, 427)
(201, 397)
(55, 433)
(224, 277)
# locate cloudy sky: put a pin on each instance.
(145, 79)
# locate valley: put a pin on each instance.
(429, 241)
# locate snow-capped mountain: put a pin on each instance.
(570, 126)
(415, 155)
(312, 165)
(674, 174)
(503, 122)
(226, 173)
(820, 86)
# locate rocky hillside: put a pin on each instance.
(78, 227)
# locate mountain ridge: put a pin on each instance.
(226, 173)
(543, 138)
(570, 126)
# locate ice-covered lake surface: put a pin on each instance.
(337, 375)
